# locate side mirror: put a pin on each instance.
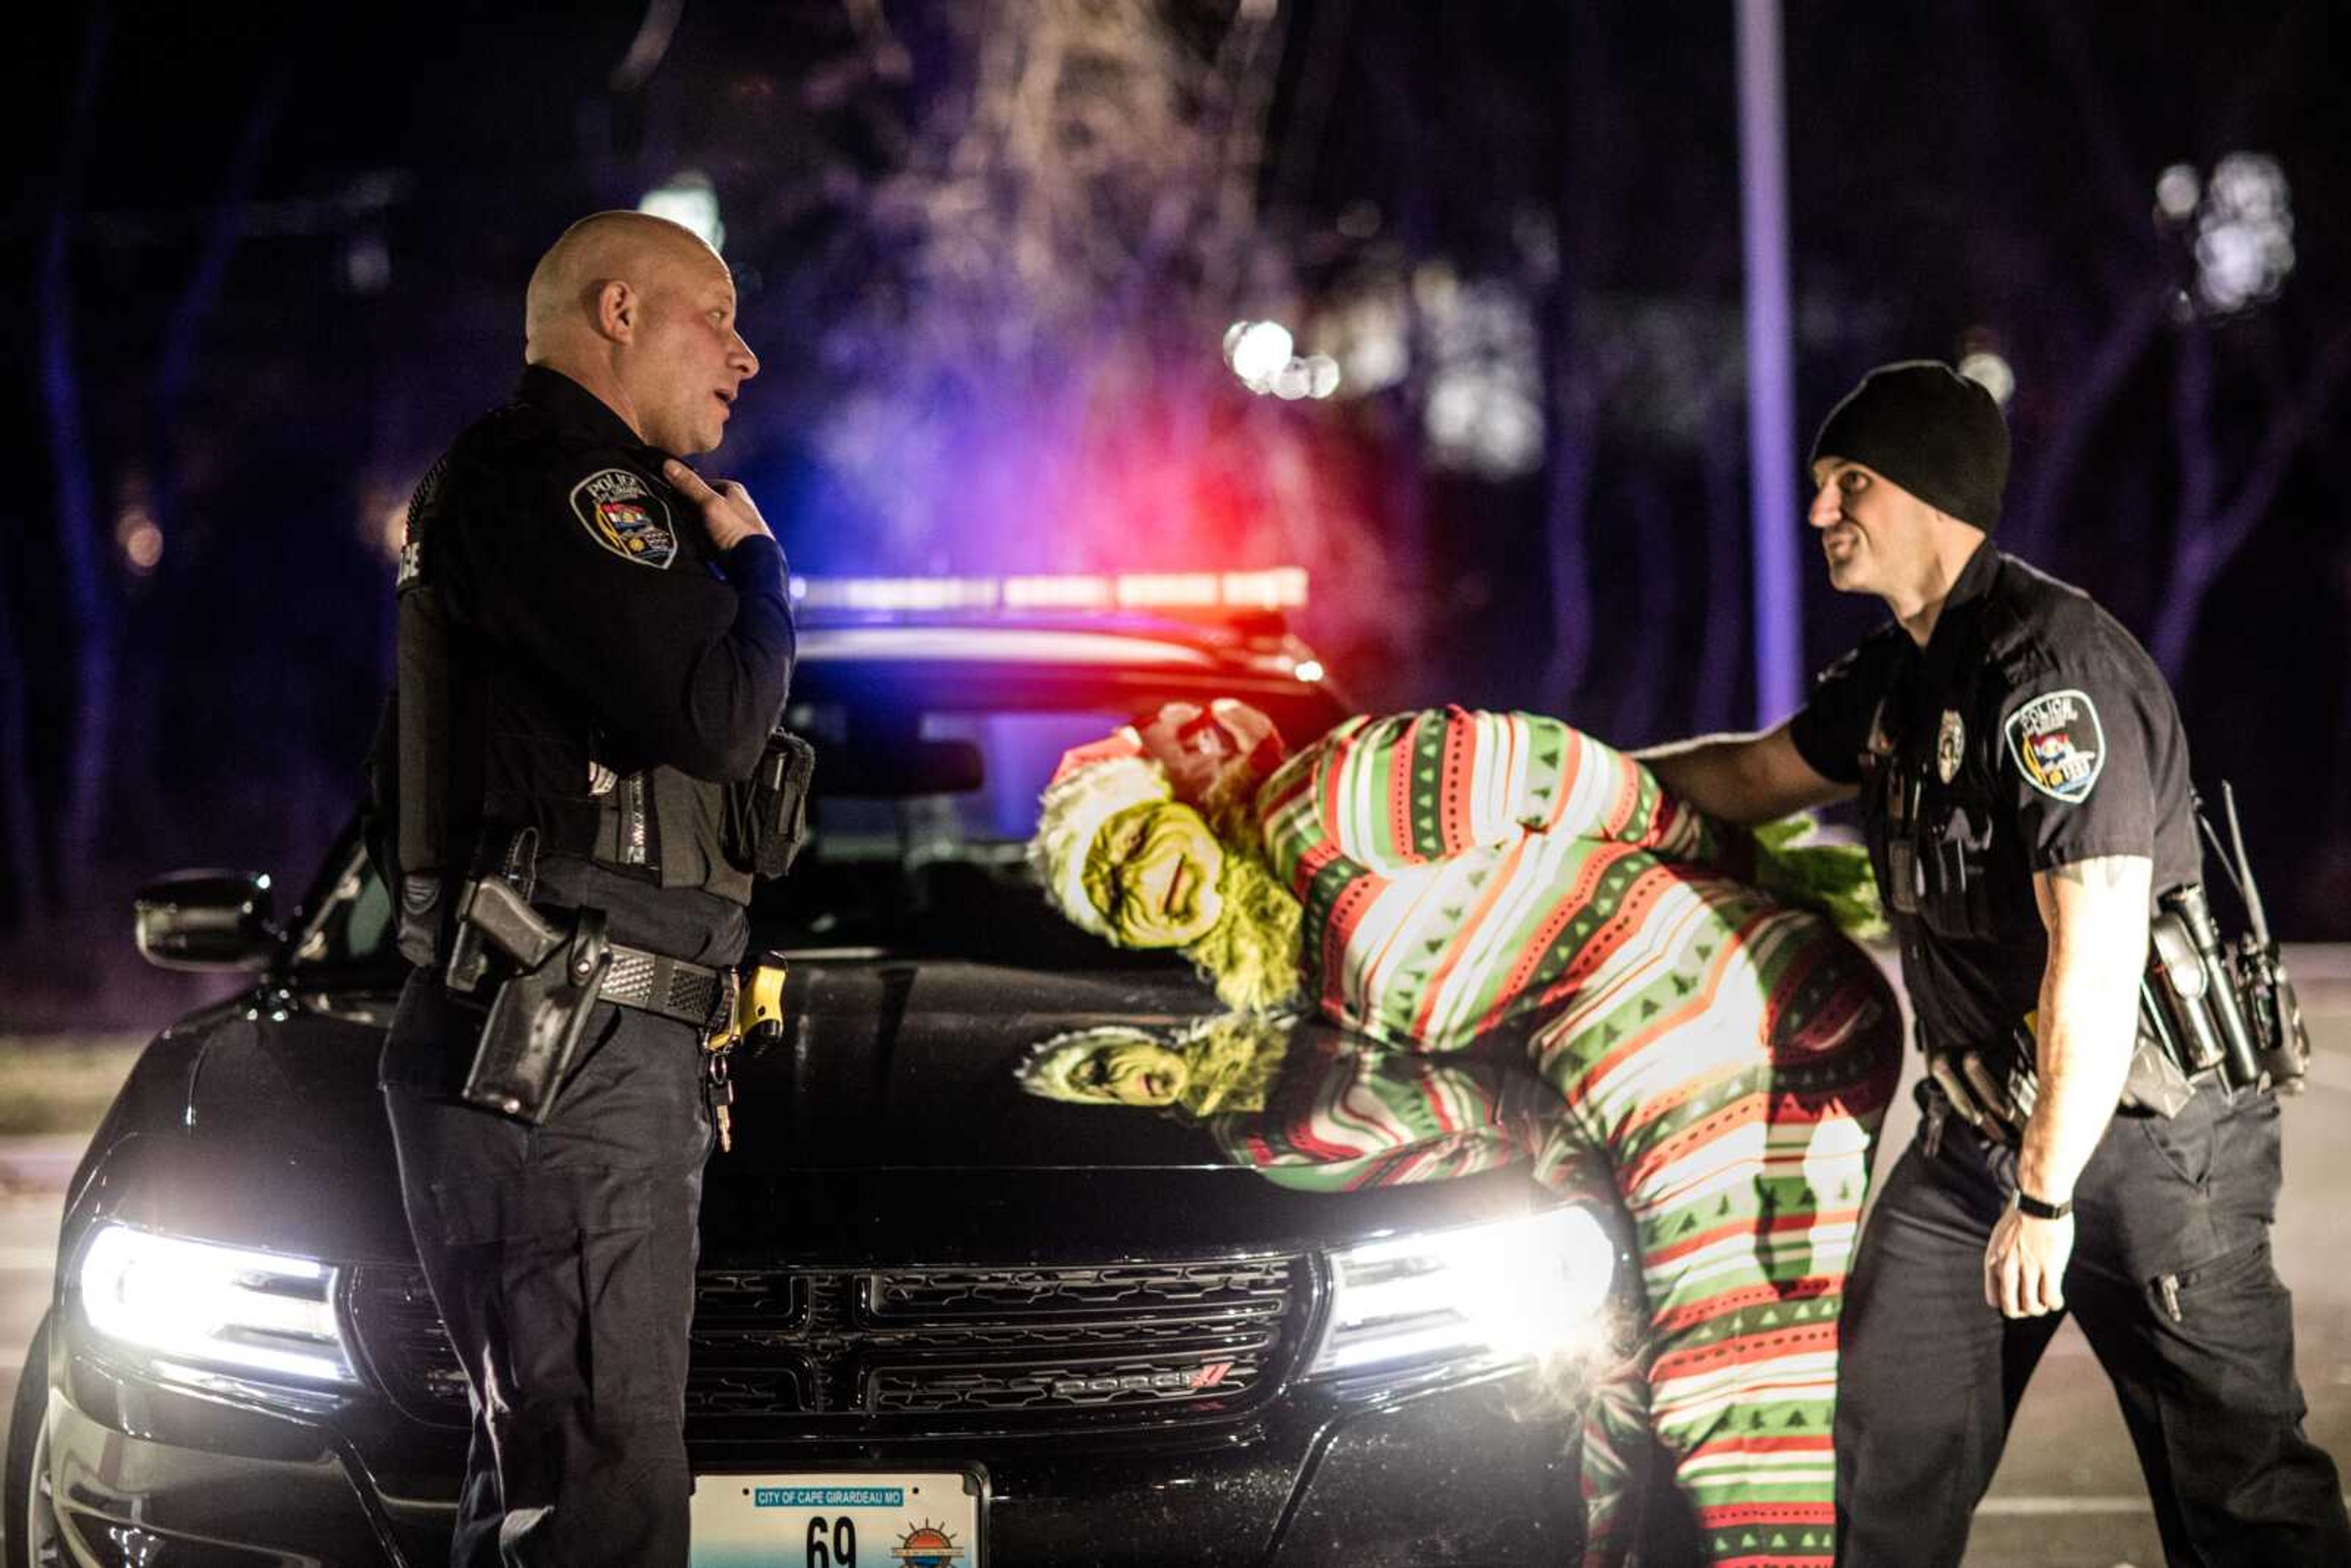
(207, 920)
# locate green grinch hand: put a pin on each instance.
(1828, 878)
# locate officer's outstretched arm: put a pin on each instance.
(1743, 779)
(2096, 912)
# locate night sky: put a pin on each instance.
(272, 259)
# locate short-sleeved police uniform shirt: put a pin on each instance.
(2031, 732)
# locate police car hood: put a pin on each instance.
(885, 1120)
(909, 1064)
(888, 1118)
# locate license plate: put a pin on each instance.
(839, 1519)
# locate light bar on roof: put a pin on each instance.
(1273, 588)
(1168, 590)
(1276, 588)
(884, 594)
(1058, 593)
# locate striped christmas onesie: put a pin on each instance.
(1345, 1116)
(1463, 873)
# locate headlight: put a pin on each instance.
(254, 1312)
(1512, 1290)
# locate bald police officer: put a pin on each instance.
(2023, 786)
(595, 645)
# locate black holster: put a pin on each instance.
(2195, 1001)
(540, 1015)
(772, 805)
(2207, 1013)
(1994, 1086)
(2280, 1038)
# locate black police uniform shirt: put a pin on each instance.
(2031, 732)
(618, 673)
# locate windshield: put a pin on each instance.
(346, 926)
(926, 789)
(927, 784)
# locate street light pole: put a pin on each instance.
(1771, 368)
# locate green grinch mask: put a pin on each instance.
(1225, 1063)
(1153, 872)
(1133, 1073)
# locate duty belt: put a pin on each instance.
(554, 979)
(671, 987)
(632, 978)
(1994, 1086)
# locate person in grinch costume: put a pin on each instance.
(1434, 878)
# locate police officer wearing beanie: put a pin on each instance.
(595, 645)
(2022, 780)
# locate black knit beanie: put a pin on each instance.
(1931, 430)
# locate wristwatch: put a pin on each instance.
(2028, 1204)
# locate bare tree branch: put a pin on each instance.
(2123, 186)
(23, 864)
(90, 609)
(136, 740)
(1724, 644)
(2212, 531)
(1067, 241)
(2108, 371)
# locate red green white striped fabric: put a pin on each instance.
(1467, 873)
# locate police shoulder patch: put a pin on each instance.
(2058, 745)
(621, 512)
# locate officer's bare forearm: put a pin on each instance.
(2096, 916)
(1741, 778)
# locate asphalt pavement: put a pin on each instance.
(2068, 1494)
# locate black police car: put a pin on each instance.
(940, 1321)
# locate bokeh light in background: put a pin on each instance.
(1263, 355)
(2244, 234)
(1370, 332)
(140, 541)
(1256, 350)
(391, 531)
(1484, 414)
(1993, 373)
(2177, 191)
(2243, 219)
(689, 199)
(367, 265)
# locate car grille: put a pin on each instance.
(930, 1349)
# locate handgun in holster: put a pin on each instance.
(1993, 1087)
(540, 1012)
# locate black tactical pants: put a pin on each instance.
(562, 1258)
(2171, 1281)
